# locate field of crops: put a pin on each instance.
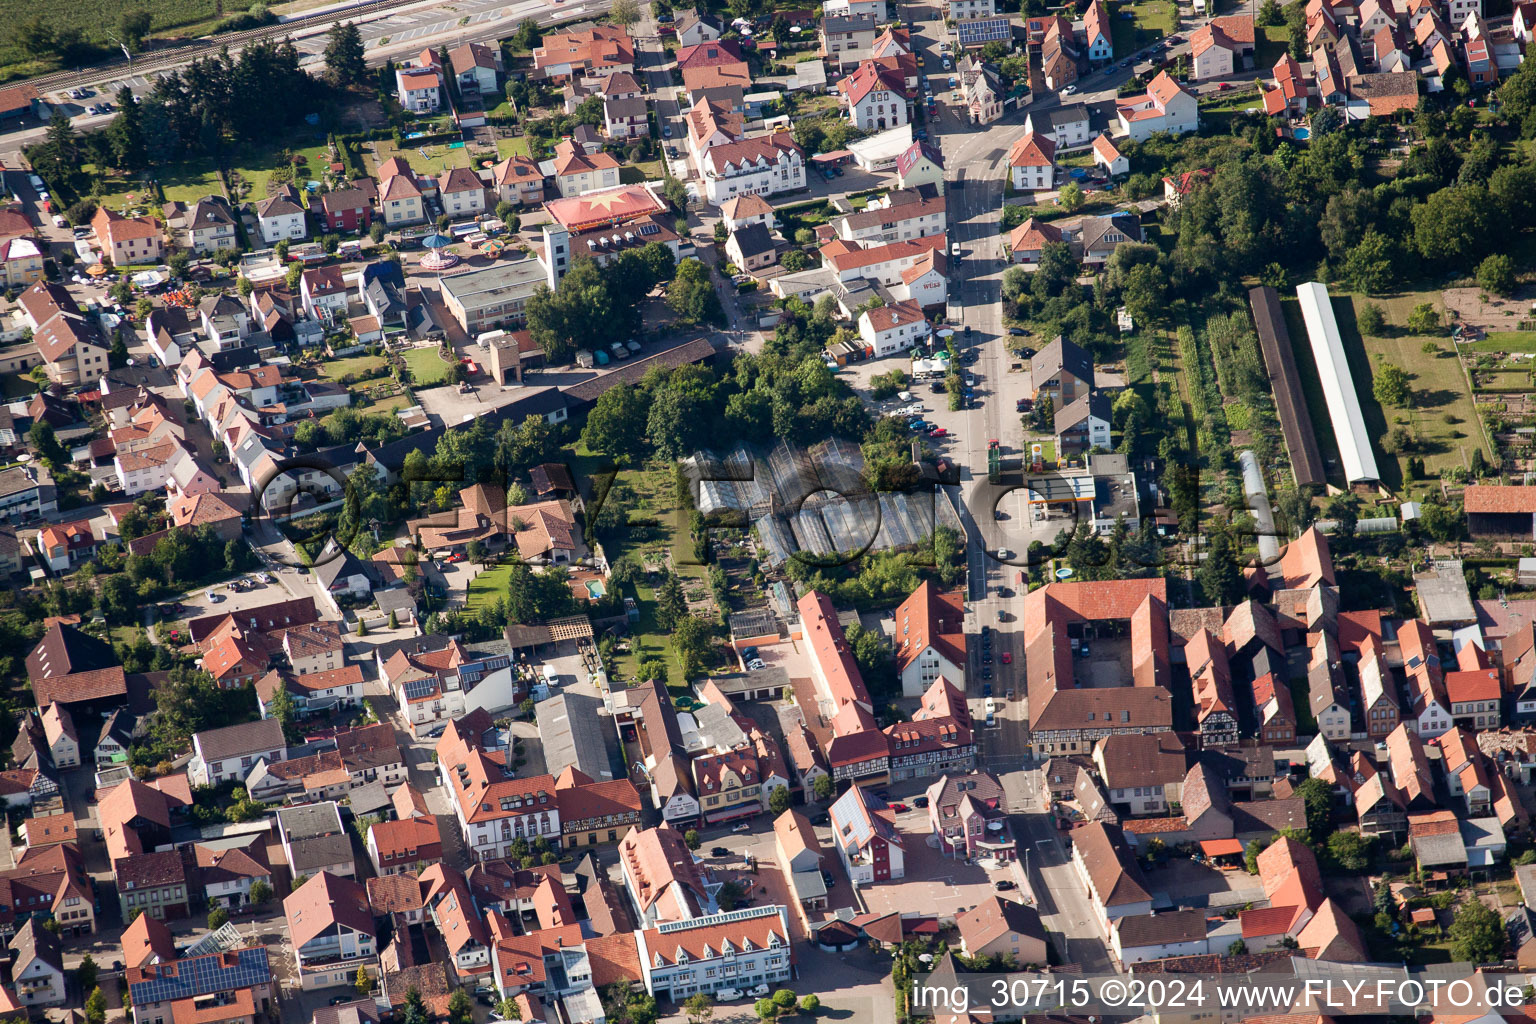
(94, 18)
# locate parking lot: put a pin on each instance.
(934, 884)
(1197, 885)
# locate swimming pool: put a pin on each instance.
(595, 588)
(1302, 133)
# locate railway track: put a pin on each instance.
(160, 61)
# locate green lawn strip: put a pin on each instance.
(1503, 341)
(335, 369)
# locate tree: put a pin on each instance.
(1424, 319)
(1454, 223)
(85, 974)
(1350, 851)
(1145, 293)
(218, 917)
(282, 710)
(134, 26)
(1071, 197)
(624, 13)
(47, 445)
(508, 1009)
(785, 999)
(1269, 13)
(730, 896)
(63, 144)
(616, 424)
(1318, 800)
(794, 261)
(692, 293)
(690, 642)
(461, 1009)
(1390, 385)
(1237, 948)
(96, 1006)
(780, 801)
(1220, 579)
(766, 1009)
(810, 1004)
(297, 883)
(1344, 510)
(1251, 856)
(1497, 274)
(691, 839)
(671, 605)
(1371, 320)
(1477, 934)
(362, 983)
(821, 789)
(261, 892)
(1371, 265)
(345, 62)
(699, 1008)
(580, 310)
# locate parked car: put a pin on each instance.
(758, 991)
(920, 802)
(1070, 90)
(1223, 86)
(1003, 885)
(938, 432)
(666, 133)
(1017, 332)
(1007, 658)
(743, 827)
(986, 689)
(900, 808)
(1005, 592)
(726, 995)
(719, 851)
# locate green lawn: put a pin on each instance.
(433, 160)
(335, 369)
(486, 587)
(1503, 341)
(1439, 385)
(14, 385)
(389, 404)
(1153, 20)
(427, 366)
(507, 148)
(1270, 44)
(191, 180)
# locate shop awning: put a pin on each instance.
(1221, 847)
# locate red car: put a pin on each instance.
(1007, 658)
(899, 808)
(1224, 86)
(938, 432)
(457, 556)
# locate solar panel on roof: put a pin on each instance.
(418, 688)
(982, 30)
(202, 976)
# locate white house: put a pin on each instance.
(331, 926)
(1097, 34)
(37, 972)
(930, 640)
(229, 754)
(854, 8)
(1153, 937)
(1067, 127)
(763, 166)
(890, 330)
(965, 10)
(1032, 163)
(1105, 155)
(1110, 873)
(875, 97)
(419, 89)
(901, 215)
(864, 832)
(1165, 107)
(323, 288)
(740, 950)
(281, 215)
